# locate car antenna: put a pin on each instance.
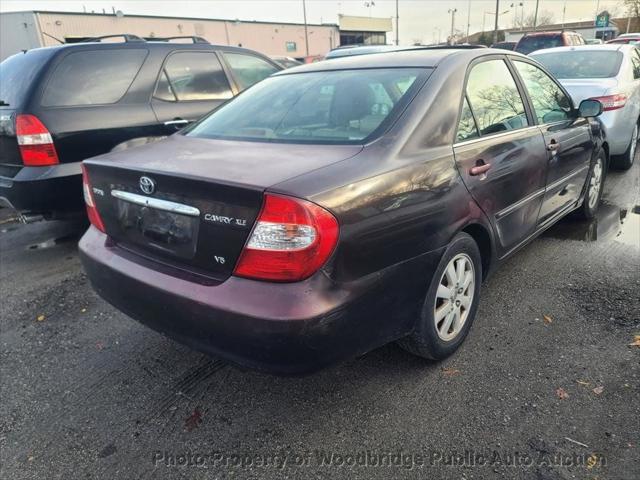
(51, 36)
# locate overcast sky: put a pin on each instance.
(419, 19)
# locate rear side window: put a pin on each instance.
(248, 69)
(494, 98)
(17, 74)
(193, 76)
(538, 42)
(549, 101)
(467, 128)
(95, 77)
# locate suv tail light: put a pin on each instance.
(92, 211)
(35, 142)
(291, 240)
(612, 102)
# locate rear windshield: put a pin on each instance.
(347, 106)
(17, 74)
(538, 42)
(582, 64)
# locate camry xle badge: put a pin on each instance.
(147, 185)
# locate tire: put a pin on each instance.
(624, 161)
(431, 339)
(595, 183)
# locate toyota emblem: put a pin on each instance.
(147, 185)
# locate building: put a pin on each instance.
(587, 29)
(32, 29)
(364, 30)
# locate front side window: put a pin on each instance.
(345, 106)
(550, 103)
(248, 69)
(494, 98)
(188, 76)
(95, 77)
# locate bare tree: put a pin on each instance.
(544, 18)
(632, 7)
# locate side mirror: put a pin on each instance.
(590, 108)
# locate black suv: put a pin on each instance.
(62, 104)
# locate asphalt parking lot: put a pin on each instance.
(547, 385)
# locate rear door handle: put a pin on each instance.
(480, 168)
(553, 146)
(176, 121)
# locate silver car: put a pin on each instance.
(609, 73)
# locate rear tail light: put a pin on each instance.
(35, 142)
(612, 102)
(291, 240)
(92, 211)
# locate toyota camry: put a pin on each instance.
(338, 206)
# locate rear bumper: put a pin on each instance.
(57, 188)
(281, 328)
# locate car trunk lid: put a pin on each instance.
(581, 89)
(191, 203)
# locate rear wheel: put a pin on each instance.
(625, 160)
(593, 194)
(451, 302)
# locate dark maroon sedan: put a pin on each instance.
(339, 206)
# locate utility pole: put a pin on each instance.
(495, 28)
(306, 33)
(468, 19)
(397, 24)
(535, 16)
(453, 24)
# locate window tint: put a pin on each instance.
(93, 77)
(320, 107)
(193, 76)
(467, 128)
(494, 98)
(582, 63)
(635, 61)
(248, 69)
(549, 101)
(17, 74)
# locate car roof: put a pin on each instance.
(543, 34)
(595, 48)
(425, 57)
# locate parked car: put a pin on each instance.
(505, 45)
(286, 62)
(342, 205)
(611, 74)
(60, 105)
(593, 41)
(627, 38)
(537, 41)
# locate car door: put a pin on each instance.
(568, 140)
(190, 84)
(500, 154)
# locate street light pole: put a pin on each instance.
(306, 33)
(453, 23)
(535, 16)
(397, 24)
(468, 19)
(495, 29)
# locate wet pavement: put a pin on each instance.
(547, 385)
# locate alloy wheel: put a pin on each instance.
(595, 183)
(634, 144)
(454, 297)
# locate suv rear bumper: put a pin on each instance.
(57, 188)
(285, 328)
